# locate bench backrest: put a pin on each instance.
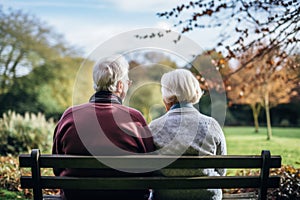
(35, 161)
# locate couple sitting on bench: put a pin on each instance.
(103, 126)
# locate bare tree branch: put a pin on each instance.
(250, 23)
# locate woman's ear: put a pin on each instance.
(168, 105)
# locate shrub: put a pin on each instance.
(22, 133)
(9, 173)
(10, 178)
(285, 123)
(8, 195)
(289, 183)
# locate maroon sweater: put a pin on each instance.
(101, 127)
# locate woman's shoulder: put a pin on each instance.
(158, 121)
(207, 118)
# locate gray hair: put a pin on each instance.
(108, 71)
(180, 85)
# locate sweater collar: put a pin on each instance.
(105, 97)
(181, 105)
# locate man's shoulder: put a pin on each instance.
(127, 109)
(74, 108)
(132, 111)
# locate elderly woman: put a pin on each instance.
(184, 130)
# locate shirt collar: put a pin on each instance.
(105, 97)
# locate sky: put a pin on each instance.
(88, 24)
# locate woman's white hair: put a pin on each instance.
(180, 85)
(108, 71)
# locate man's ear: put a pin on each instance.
(120, 87)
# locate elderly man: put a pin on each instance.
(103, 126)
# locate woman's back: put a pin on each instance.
(185, 131)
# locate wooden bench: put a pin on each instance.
(37, 182)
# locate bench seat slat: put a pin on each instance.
(149, 162)
(36, 161)
(131, 183)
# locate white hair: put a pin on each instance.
(108, 71)
(180, 85)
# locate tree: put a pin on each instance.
(25, 44)
(37, 67)
(144, 98)
(267, 81)
(243, 24)
(240, 91)
(210, 68)
(83, 85)
(145, 93)
(47, 89)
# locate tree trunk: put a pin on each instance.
(267, 108)
(256, 110)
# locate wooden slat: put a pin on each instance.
(149, 162)
(130, 183)
(241, 196)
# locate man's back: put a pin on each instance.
(101, 128)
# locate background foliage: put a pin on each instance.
(37, 67)
(22, 133)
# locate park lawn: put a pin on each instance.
(285, 142)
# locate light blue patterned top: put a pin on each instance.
(184, 130)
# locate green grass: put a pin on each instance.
(285, 142)
(9, 195)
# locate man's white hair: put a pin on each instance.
(180, 85)
(108, 71)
